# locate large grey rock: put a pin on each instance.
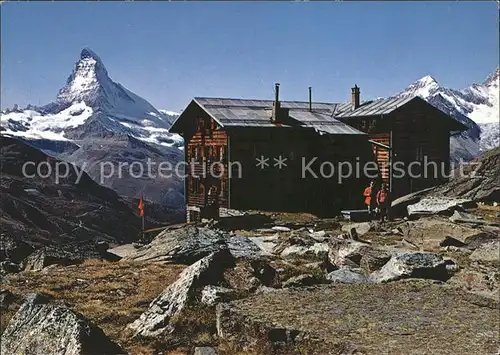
(487, 253)
(8, 267)
(266, 243)
(40, 327)
(477, 240)
(462, 217)
(14, 249)
(415, 265)
(302, 280)
(123, 251)
(244, 248)
(204, 350)
(181, 246)
(346, 276)
(264, 272)
(313, 251)
(374, 260)
(46, 256)
(156, 320)
(399, 205)
(429, 233)
(450, 241)
(360, 228)
(483, 186)
(319, 236)
(211, 295)
(435, 205)
(347, 252)
(281, 229)
(6, 298)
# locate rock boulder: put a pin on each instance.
(302, 280)
(435, 205)
(46, 256)
(40, 327)
(181, 246)
(347, 252)
(488, 253)
(156, 320)
(346, 276)
(211, 295)
(415, 265)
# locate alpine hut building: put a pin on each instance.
(295, 155)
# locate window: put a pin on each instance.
(207, 125)
(195, 186)
(222, 156)
(222, 188)
(419, 154)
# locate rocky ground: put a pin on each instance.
(275, 284)
(69, 220)
(427, 282)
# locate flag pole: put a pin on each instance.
(143, 226)
(141, 214)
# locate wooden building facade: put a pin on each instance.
(288, 156)
(411, 140)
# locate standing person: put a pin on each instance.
(370, 198)
(213, 200)
(383, 202)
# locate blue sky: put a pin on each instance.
(170, 52)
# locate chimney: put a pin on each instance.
(310, 99)
(355, 97)
(276, 104)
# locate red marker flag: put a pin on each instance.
(140, 206)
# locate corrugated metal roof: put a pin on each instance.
(374, 108)
(257, 113)
(341, 110)
(299, 105)
(322, 122)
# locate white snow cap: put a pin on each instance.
(88, 78)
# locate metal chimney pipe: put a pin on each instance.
(310, 99)
(277, 92)
(355, 97)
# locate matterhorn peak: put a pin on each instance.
(87, 81)
(89, 55)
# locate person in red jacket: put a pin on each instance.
(383, 202)
(370, 198)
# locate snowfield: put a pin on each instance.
(92, 105)
(479, 103)
(89, 99)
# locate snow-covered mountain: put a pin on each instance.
(95, 120)
(476, 106)
(90, 99)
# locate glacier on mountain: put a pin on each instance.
(476, 106)
(89, 103)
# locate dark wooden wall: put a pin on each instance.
(287, 189)
(417, 133)
(414, 131)
(208, 145)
